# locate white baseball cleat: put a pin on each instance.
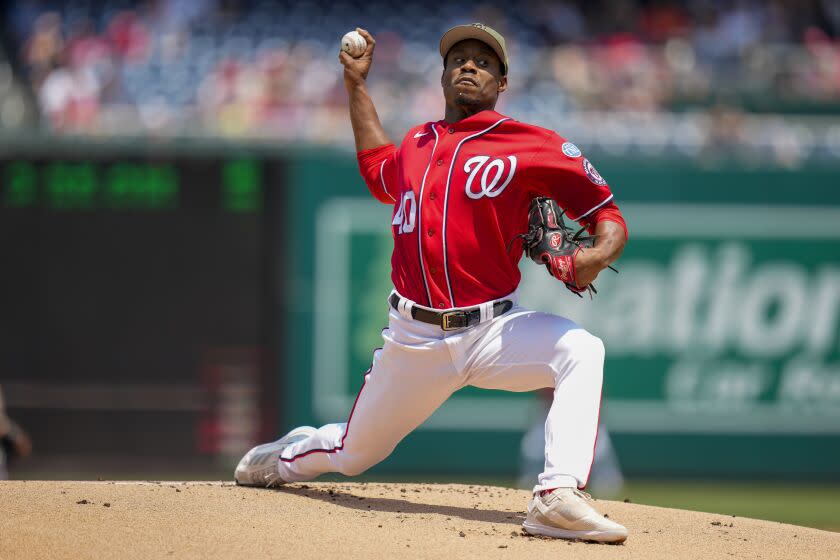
(259, 467)
(564, 513)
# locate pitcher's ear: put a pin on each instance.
(502, 84)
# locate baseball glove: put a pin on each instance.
(550, 242)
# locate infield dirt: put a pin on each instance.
(129, 520)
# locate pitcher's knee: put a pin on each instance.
(596, 347)
(586, 347)
(353, 468)
(353, 465)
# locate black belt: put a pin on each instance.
(452, 320)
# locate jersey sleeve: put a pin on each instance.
(609, 212)
(379, 170)
(559, 170)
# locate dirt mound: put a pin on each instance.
(333, 520)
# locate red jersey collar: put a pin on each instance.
(473, 123)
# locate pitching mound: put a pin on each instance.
(130, 520)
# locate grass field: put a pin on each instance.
(801, 504)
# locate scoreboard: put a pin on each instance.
(233, 185)
(138, 290)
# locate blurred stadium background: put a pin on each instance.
(191, 264)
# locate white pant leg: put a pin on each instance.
(411, 376)
(526, 350)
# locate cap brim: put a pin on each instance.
(463, 32)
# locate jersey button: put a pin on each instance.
(430, 232)
(440, 162)
(451, 131)
(432, 196)
(433, 270)
(441, 305)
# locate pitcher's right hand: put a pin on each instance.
(356, 69)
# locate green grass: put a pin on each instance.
(800, 504)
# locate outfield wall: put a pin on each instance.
(721, 329)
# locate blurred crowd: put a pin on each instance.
(269, 68)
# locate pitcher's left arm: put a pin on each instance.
(559, 170)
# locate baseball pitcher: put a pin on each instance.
(470, 193)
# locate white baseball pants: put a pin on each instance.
(421, 365)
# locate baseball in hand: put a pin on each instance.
(353, 44)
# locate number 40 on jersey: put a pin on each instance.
(406, 213)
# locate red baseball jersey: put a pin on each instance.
(461, 192)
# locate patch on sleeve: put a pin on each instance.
(570, 150)
(592, 173)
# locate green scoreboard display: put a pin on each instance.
(235, 185)
(128, 284)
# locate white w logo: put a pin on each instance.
(489, 187)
